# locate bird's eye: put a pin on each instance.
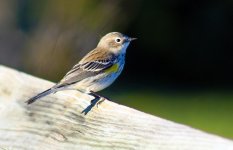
(118, 40)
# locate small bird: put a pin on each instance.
(97, 70)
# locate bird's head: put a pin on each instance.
(115, 42)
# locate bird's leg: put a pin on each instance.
(97, 97)
(101, 98)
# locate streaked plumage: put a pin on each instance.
(97, 70)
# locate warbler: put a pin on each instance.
(97, 70)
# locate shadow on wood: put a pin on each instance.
(92, 104)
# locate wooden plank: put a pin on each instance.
(56, 122)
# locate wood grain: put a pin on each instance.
(57, 122)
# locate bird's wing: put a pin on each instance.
(85, 70)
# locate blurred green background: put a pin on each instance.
(180, 68)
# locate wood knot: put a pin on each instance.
(58, 136)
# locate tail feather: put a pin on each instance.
(40, 95)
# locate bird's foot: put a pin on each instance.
(99, 102)
(98, 99)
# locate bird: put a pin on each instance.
(97, 70)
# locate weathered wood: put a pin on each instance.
(56, 122)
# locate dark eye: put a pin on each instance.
(118, 40)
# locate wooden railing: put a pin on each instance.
(56, 122)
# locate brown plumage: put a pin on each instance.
(93, 72)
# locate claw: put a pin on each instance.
(99, 102)
(97, 99)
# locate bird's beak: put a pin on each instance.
(131, 39)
